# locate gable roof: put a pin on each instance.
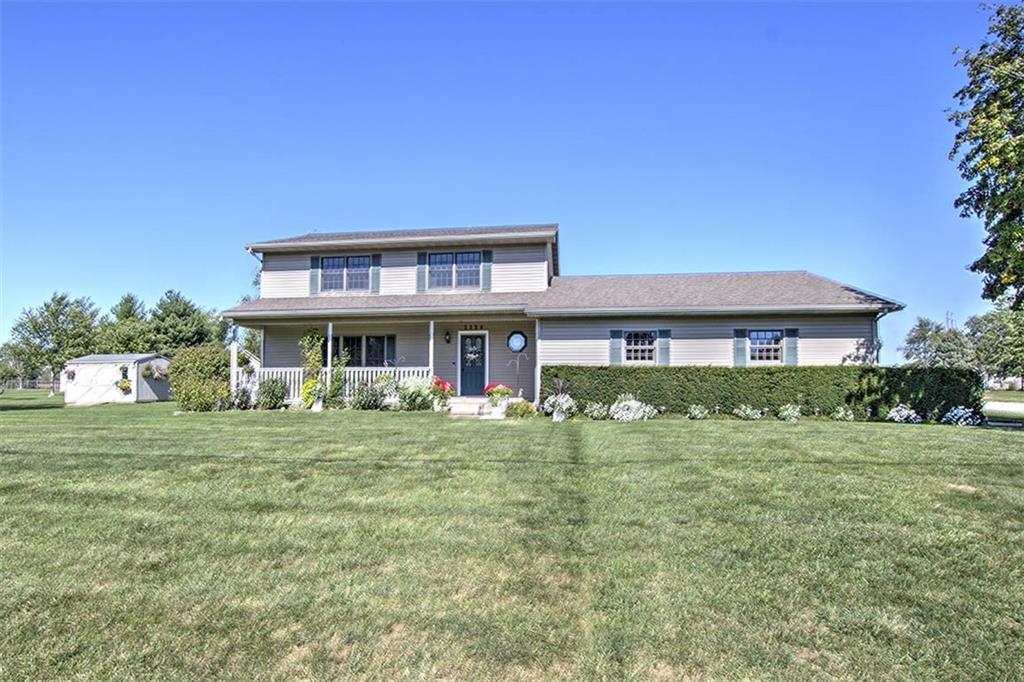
(604, 295)
(100, 358)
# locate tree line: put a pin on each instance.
(43, 339)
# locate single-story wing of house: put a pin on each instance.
(479, 305)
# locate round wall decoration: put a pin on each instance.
(516, 342)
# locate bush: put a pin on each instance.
(868, 390)
(903, 414)
(368, 397)
(962, 416)
(842, 414)
(312, 391)
(199, 378)
(596, 411)
(520, 409)
(627, 408)
(560, 406)
(441, 390)
(497, 392)
(747, 412)
(697, 412)
(789, 413)
(242, 399)
(414, 395)
(334, 397)
(270, 395)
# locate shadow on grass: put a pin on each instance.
(24, 406)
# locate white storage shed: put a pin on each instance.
(120, 378)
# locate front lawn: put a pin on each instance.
(134, 543)
(1005, 396)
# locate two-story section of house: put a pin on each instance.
(480, 305)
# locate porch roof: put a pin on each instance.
(604, 295)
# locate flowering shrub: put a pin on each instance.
(124, 386)
(596, 411)
(902, 414)
(560, 406)
(497, 392)
(415, 394)
(270, 394)
(242, 399)
(387, 384)
(520, 409)
(962, 416)
(842, 414)
(747, 412)
(627, 408)
(312, 391)
(368, 397)
(697, 412)
(789, 413)
(441, 390)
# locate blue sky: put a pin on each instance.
(144, 143)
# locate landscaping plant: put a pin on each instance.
(414, 394)
(627, 408)
(497, 392)
(747, 412)
(842, 413)
(697, 412)
(962, 416)
(597, 411)
(199, 378)
(270, 394)
(520, 409)
(902, 414)
(789, 413)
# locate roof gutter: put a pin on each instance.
(503, 238)
(368, 312)
(708, 310)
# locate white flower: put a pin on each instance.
(627, 408)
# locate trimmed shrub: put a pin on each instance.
(789, 413)
(520, 409)
(199, 378)
(697, 412)
(270, 395)
(747, 412)
(627, 408)
(414, 395)
(867, 389)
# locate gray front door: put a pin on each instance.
(473, 360)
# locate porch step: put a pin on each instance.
(469, 406)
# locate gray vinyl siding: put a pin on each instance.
(514, 268)
(499, 356)
(284, 275)
(824, 339)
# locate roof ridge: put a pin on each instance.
(399, 231)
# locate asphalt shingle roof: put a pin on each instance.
(546, 229)
(606, 294)
(98, 358)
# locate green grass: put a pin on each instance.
(1005, 396)
(137, 544)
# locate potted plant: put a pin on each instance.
(498, 393)
(442, 392)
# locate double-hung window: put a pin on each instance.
(345, 273)
(640, 347)
(766, 345)
(460, 270)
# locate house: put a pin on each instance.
(489, 304)
(120, 378)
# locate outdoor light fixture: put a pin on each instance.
(447, 337)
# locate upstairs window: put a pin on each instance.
(341, 273)
(460, 270)
(640, 347)
(766, 345)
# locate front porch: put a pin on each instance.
(466, 352)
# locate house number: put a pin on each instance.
(472, 327)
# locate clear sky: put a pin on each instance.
(144, 144)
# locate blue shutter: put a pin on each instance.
(739, 347)
(375, 273)
(664, 346)
(314, 274)
(421, 271)
(790, 345)
(486, 257)
(615, 347)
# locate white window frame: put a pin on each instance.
(454, 271)
(781, 346)
(344, 272)
(625, 346)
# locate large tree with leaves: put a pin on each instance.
(128, 330)
(989, 149)
(179, 323)
(930, 344)
(998, 341)
(50, 335)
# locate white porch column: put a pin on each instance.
(536, 364)
(430, 347)
(330, 350)
(234, 365)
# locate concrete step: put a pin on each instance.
(467, 406)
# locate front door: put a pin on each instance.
(472, 363)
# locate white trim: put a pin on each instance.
(430, 347)
(639, 363)
(458, 357)
(536, 368)
(330, 349)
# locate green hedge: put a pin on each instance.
(199, 377)
(869, 390)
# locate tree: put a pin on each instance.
(179, 323)
(129, 331)
(989, 144)
(128, 308)
(930, 344)
(50, 335)
(998, 341)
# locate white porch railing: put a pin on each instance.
(354, 376)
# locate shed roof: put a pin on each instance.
(102, 358)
